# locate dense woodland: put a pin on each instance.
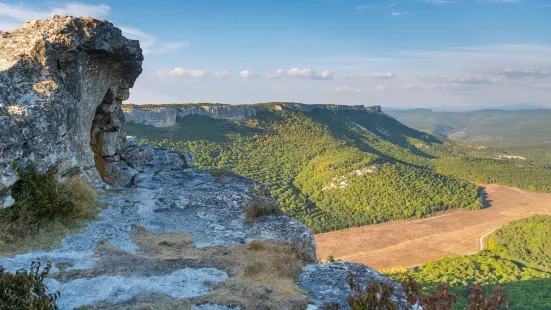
(334, 170)
(518, 257)
(299, 155)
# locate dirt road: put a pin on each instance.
(409, 243)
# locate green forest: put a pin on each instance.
(517, 257)
(299, 155)
(334, 170)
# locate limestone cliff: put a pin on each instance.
(167, 115)
(174, 237)
(61, 85)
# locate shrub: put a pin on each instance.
(25, 290)
(256, 245)
(260, 207)
(374, 296)
(378, 296)
(44, 204)
(218, 172)
(478, 300)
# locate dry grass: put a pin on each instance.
(218, 172)
(451, 233)
(255, 245)
(45, 211)
(259, 207)
(262, 275)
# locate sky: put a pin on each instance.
(440, 54)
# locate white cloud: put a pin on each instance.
(435, 86)
(246, 74)
(379, 76)
(164, 48)
(541, 86)
(22, 13)
(384, 76)
(5, 26)
(222, 75)
(381, 87)
(473, 80)
(399, 13)
(180, 72)
(372, 7)
(485, 54)
(148, 42)
(345, 89)
(302, 73)
(518, 73)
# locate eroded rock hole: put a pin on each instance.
(107, 138)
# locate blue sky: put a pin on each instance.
(446, 54)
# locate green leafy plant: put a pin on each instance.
(166, 243)
(26, 290)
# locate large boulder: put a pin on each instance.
(62, 82)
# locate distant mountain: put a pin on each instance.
(490, 126)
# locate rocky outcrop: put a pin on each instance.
(327, 284)
(62, 82)
(168, 115)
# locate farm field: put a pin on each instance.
(408, 243)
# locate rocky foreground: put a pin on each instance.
(170, 236)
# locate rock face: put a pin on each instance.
(167, 116)
(61, 86)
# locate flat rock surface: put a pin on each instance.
(189, 201)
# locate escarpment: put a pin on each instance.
(168, 115)
(170, 236)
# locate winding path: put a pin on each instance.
(409, 243)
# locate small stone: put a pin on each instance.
(109, 143)
(6, 201)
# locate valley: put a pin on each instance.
(409, 243)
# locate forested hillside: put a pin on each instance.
(338, 169)
(331, 170)
(517, 258)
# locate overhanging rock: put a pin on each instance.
(62, 82)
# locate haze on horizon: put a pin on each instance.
(440, 54)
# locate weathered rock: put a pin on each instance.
(61, 85)
(328, 283)
(146, 157)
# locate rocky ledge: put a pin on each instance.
(172, 239)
